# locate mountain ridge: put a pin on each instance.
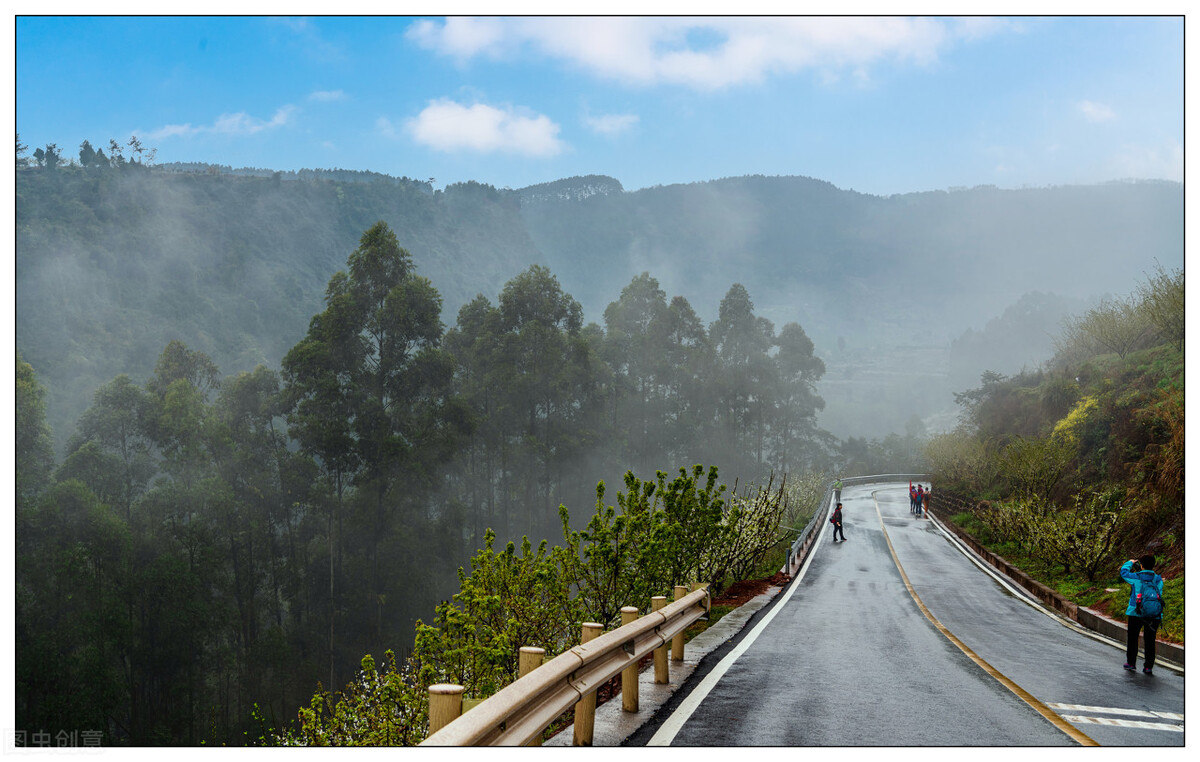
(113, 264)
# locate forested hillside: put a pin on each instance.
(1070, 469)
(111, 265)
(114, 264)
(912, 267)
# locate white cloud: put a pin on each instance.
(327, 96)
(1163, 162)
(703, 54)
(1096, 112)
(610, 124)
(445, 125)
(240, 123)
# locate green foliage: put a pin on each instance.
(508, 601)
(963, 463)
(376, 708)
(34, 448)
(1071, 424)
(1083, 537)
(1163, 304)
(750, 527)
(621, 559)
(1115, 325)
(1035, 466)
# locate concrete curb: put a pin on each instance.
(1087, 618)
(614, 725)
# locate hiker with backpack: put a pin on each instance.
(1145, 609)
(836, 520)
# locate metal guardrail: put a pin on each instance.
(519, 712)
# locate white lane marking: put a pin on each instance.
(670, 728)
(1117, 710)
(1122, 723)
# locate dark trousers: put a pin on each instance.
(836, 529)
(1131, 644)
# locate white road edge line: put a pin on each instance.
(670, 728)
(1076, 718)
(1117, 710)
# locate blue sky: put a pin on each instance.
(878, 105)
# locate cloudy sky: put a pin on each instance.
(876, 104)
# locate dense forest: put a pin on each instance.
(252, 447)
(211, 543)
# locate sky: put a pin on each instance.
(879, 105)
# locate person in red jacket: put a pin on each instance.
(836, 520)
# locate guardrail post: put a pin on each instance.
(662, 670)
(629, 676)
(677, 641)
(703, 586)
(585, 708)
(445, 705)
(530, 658)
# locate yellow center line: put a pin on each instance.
(1076, 735)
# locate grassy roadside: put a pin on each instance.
(1108, 593)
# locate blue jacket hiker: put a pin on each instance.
(1144, 610)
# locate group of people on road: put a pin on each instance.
(918, 499)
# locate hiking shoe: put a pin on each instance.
(1130, 667)
(1147, 671)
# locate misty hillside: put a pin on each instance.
(111, 266)
(914, 267)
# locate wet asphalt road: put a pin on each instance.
(848, 658)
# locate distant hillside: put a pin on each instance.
(913, 267)
(112, 265)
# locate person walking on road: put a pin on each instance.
(1144, 610)
(912, 497)
(925, 501)
(836, 520)
(919, 499)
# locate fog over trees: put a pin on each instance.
(262, 418)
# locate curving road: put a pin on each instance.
(847, 657)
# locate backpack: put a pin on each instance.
(1149, 602)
